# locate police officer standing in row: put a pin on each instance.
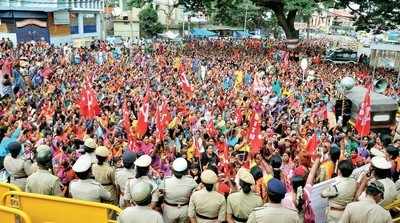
(42, 181)
(240, 204)
(142, 175)
(177, 190)
(123, 174)
(17, 166)
(273, 211)
(104, 173)
(141, 195)
(207, 205)
(367, 209)
(341, 193)
(86, 188)
(89, 147)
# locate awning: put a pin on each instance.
(202, 33)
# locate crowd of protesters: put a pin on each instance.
(208, 139)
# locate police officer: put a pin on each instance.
(273, 211)
(341, 193)
(104, 173)
(367, 209)
(177, 190)
(123, 174)
(142, 174)
(207, 205)
(16, 166)
(89, 147)
(85, 188)
(380, 169)
(141, 194)
(240, 204)
(42, 181)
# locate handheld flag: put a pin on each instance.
(363, 121)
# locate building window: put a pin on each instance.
(89, 23)
(73, 23)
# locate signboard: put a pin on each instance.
(61, 18)
(318, 203)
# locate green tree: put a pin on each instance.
(371, 14)
(137, 3)
(148, 21)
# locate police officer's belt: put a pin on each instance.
(239, 219)
(21, 177)
(175, 205)
(205, 217)
(108, 184)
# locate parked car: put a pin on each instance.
(341, 56)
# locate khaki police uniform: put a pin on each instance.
(140, 214)
(365, 211)
(43, 182)
(19, 169)
(134, 181)
(122, 175)
(240, 205)
(275, 213)
(89, 190)
(142, 161)
(176, 198)
(207, 207)
(339, 195)
(105, 175)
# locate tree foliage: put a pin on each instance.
(373, 14)
(149, 24)
(137, 3)
(382, 14)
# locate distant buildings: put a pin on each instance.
(55, 21)
(330, 21)
(126, 22)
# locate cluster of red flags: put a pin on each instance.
(254, 132)
(363, 121)
(88, 105)
(163, 117)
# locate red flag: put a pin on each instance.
(126, 123)
(238, 116)
(196, 143)
(88, 105)
(227, 169)
(312, 144)
(254, 133)
(186, 87)
(211, 128)
(143, 117)
(363, 121)
(163, 118)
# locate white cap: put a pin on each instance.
(381, 163)
(376, 152)
(143, 161)
(179, 164)
(82, 164)
(89, 142)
